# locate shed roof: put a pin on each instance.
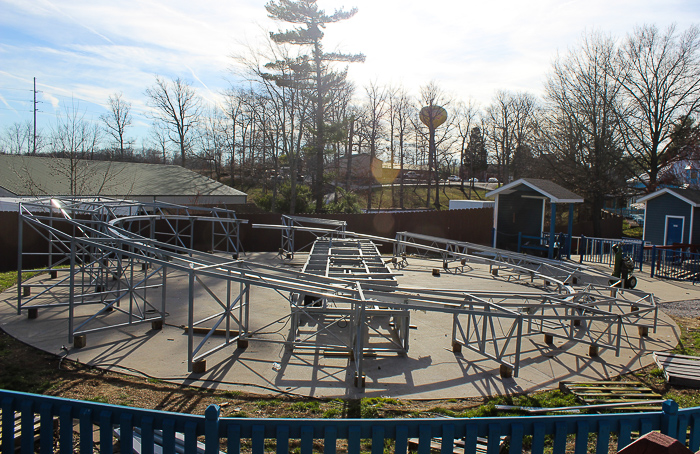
(689, 196)
(549, 189)
(37, 175)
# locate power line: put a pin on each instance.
(15, 110)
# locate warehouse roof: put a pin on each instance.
(38, 176)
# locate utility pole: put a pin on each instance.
(34, 141)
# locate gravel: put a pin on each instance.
(687, 308)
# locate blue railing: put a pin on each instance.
(625, 212)
(674, 263)
(260, 435)
(541, 243)
(600, 250)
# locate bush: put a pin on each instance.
(347, 203)
(284, 197)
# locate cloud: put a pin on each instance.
(51, 99)
(89, 50)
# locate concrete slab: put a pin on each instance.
(430, 370)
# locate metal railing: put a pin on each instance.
(61, 420)
(673, 263)
(600, 250)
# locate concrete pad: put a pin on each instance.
(429, 370)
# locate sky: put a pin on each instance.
(83, 51)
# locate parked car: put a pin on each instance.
(638, 218)
(411, 176)
(453, 178)
(474, 180)
(493, 180)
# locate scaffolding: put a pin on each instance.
(110, 262)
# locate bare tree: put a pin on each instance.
(511, 125)
(466, 115)
(376, 109)
(75, 138)
(177, 105)
(212, 143)
(582, 126)
(17, 138)
(401, 110)
(659, 74)
(116, 122)
(158, 138)
(431, 95)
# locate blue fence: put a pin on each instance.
(599, 250)
(560, 248)
(626, 212)
(78, 421)
(673, 263)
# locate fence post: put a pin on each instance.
(641, 255)
(211, 429)
(520, 239)
(669, 418)
(580, 253)
(653, 260)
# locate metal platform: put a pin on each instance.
(110, 264)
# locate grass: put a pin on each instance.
(545, 399)
(415, 196)
(26, 369)
(630, 231)
(9, 278)
(689, 343)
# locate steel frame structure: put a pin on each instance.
(357, 260)
(292, 223)
(119, 265)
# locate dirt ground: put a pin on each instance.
(24, 368)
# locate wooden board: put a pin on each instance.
(604, 392)
(18, 429)
(458, 445)
(683, 370)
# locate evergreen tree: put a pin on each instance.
(308, 32)
(477, 155)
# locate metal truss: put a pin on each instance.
(60, 221)
(115, 262)
(506, 264)
(290, 224)
(315, 321)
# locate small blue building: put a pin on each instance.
(521, 207)
(672, 216)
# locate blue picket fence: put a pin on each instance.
(82, 422)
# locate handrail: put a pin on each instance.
(232, 432)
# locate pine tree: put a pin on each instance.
(477, 155)
(308, 32)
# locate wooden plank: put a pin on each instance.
(681, 370)
(674, 355)
(18, 429)
(614, 392)
(687, 370)
(674, 360)
(624, 394)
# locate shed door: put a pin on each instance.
(674, 230)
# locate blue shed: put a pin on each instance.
(520, 210)
(672, 216)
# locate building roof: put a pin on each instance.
(549, 189)
(689, 196)
(39, 176)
